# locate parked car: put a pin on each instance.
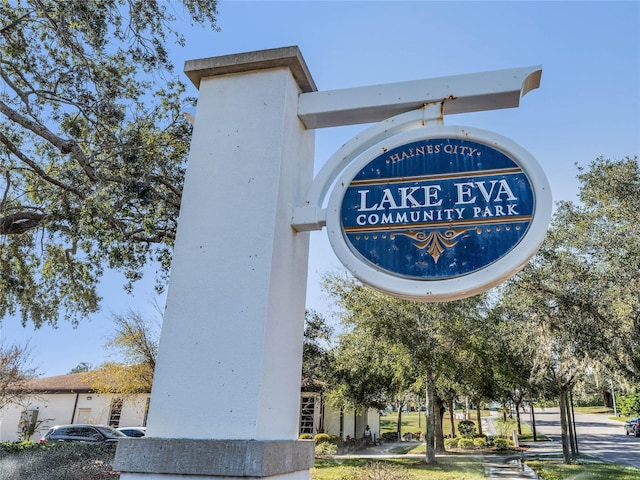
(632, 426)
(133, 431)
(82, 433)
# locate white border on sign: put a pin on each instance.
(452, 288)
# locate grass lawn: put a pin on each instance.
(462, 466)
(448, 468)
(415, 422)
(603, 411)
(556, 470)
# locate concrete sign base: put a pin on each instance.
(219, 458)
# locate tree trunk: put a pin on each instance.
(439, 431)
(517, 405)
(452, 419)
(399, 429)
(570, 426)
(479, 417)
(321, 420)
(574, 444)
(566, 453)
(533, 423)
(429, 438)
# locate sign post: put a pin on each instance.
(226, 394)
(226, 391)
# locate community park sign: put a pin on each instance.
(439, 214)
(413, 208)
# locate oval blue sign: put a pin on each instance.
(439, 214)
(437, 208)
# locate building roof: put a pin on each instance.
(82, 383)
(71, 383)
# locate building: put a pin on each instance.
(70, 399)
(316, 416)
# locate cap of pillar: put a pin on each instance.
(289, 57)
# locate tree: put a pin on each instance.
(93, 145)
(135, 342)
(581, 288)
(371, 372)
(544, 296)
(316, 355)
(606, 229)
(15, 370)
(515, 344)
(433, 335)
(82, 367)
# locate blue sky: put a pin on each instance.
(588, 103)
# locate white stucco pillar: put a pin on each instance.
(226, 392)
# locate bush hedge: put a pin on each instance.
(325, 449)
(382, 471)
(467, 428)
(480, 442)
(322, 438)
(501, 444)
(466, 443)
(451, 442)
(56, 461)
(389, 436)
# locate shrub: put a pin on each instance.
(451, 442)
(305, 436)
(56, 461)
(504, 428)
(322, 438)
(467, 428)
(480, 442)
(325, 448)
(629, 404)
(466, 443)
(501, 444)
(381, 471)
(389, 436)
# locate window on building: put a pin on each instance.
(307, 414)
(115, 412)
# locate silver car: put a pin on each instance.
(82, 433)
(632, 426)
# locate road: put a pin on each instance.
(597, 436)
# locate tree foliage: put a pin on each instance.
(93, 144)
(316, 353)
(135, 345)
(582, 286)
(15, 369)
(581, 290)
(431, 340)
(82, 367)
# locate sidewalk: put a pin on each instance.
(512, 467)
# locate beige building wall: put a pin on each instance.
(352, 423)
(64, 408)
